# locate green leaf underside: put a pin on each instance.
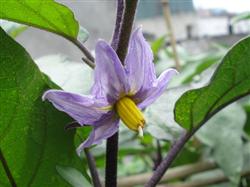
(47, 15)
(73, 176)
(32, 135)
(230, 82)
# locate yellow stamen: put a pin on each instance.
(130, 114)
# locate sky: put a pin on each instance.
(232, 6)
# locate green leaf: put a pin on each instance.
(32, 135)
(48, 15)
(83, 34)
(223, 134)
(247, 111)
(241, 17)
(196, 68)
(73, 176)
(69, 75)
(13, 29)
(230, 82)
(157, 44)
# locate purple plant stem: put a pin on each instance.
(112, 142)
(119, 14)
(167, 161)
(92, 168)
(120, 41)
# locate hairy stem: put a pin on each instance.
(119, 14)
(92, 168)
(126, 28)
(123, 27)
(7, 170)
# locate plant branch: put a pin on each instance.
(178, 172)
(206, 182)
(158, 159)
(6, 169)
(119, 14)
(122, 31)
(92, 168)
(89, 60)
(167, 161)
(126, 28)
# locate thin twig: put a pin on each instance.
(119, 15)
(122, 30)
(178, 172)
(206, 182)
(92, 168)
(158, 155)
(167, 17)
(90, 59)
(165, 164)
(88, 62)
(7, 170)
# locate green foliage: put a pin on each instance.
(223, 134)
(241, 17)
(48, 15)
(32, 137)
(197, 67)
(230, 82)
(13, 29)
(73, 176)
(247, 125)
(157, 45)
(83, 34)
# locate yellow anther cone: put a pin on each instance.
(130, 114)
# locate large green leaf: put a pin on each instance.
(73, 176)
(230, 82)
(48, 15)
(32, 135)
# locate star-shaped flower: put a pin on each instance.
(119, 92)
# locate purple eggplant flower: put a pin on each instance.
(119, 92)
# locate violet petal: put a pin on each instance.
(84, 109)
(158, 88)
(107, 128)
(110, 78)
(139, 63)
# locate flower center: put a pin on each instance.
(130, 114)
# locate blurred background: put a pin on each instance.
(192, 35)
(202, 21)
